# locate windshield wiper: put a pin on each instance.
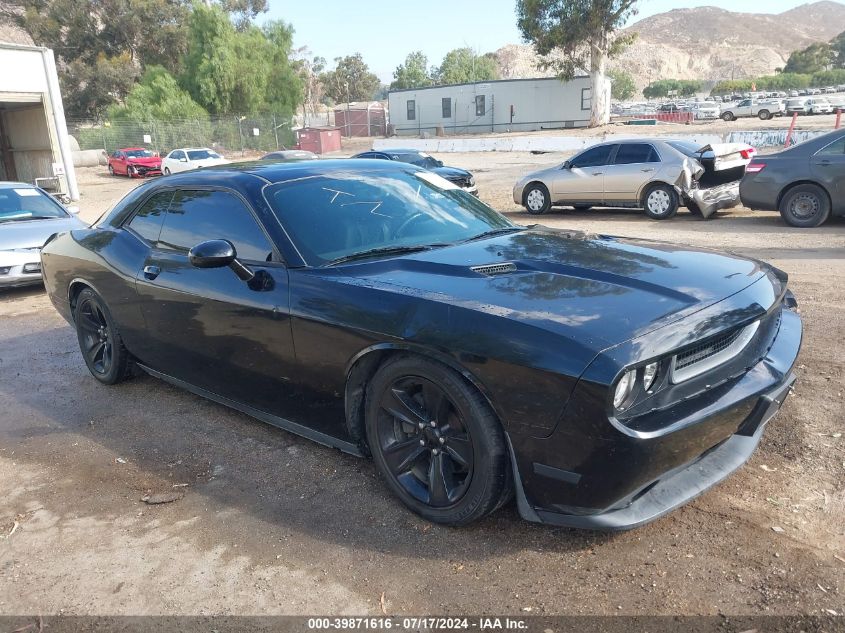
(492, 232)
(26, 218)
(383, 250)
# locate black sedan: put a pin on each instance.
(461, 177)
(376, 307)
(805, 182)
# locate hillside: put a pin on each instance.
(708, 43)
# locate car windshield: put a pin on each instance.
(26, 203)
(138, 153)
(420, 160)
(202, 154)
(334, 216)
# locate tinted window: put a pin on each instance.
(202, 154)
(342, 213)
(630, 153)
(837, 148)
(197, 216)
(139, 153)
(147, 220)
(594, 157)
(480, 109)
(446, 106)
(178, 154)
(412, 109)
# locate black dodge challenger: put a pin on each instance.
(375, 307)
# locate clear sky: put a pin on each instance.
(384, 32)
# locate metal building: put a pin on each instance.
(515, 105)
(34, 144)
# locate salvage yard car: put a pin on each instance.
(134, 162)
(656, 175)
(376, 307)
(460, 177)
(188, 158)
(805, 182)
(28, 216)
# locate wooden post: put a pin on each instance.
(838, 117)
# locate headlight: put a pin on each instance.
(471, 181)
(649, 374)
(624, 388)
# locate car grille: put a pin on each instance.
(460, 181)
(712, 353)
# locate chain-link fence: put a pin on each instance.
(229, 134)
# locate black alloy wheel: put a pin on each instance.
(101, 345)
(435, 441)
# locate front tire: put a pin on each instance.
(661, 202)
(536, 199)
(764, 115)
(99, 340)
(167, 171)
(436, 442)
(111, 170)
(805, 206)
(728, 117)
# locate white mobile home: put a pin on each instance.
(33, 135)
(508, 105)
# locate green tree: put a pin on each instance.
(285, 87)
(350, 80)
(462, 65)
(681, 87)
(813, 59)
(622, 85)
(157, 96)
(413, 73)
(576, 35)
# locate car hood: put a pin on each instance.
(148, 161)
(450, 173)
(33, 233)
(601, 289)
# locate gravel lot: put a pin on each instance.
(271, 523)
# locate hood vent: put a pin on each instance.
(494, 269)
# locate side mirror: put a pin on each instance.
(440, 163)
(567, 165)
(74, 210)
(217, 254)
(183, 160)
(212, 254)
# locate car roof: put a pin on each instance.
(130, 149)
(282, 172)
(11, 184)
(192, 149)
(397, 150)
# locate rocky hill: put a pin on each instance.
(707, 43)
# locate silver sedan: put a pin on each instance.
(28, 217)
(657, 175)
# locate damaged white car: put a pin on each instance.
(657, 175)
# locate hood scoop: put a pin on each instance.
(494, 269)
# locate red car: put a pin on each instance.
(134, 161)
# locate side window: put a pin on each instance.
(594, 157)
(446, 107)
(367, 155)
(837, 148)
(178, 155)
(480, 108)
(197, 216)
(117, 155)
(631, 153)
(147, 220)
(411, 109)
(586, 99)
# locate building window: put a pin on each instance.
(446, 104)
(412, 110)
(586, 99)
(480, 110)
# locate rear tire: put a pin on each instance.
(693, 208)
(99, 340)
(436, 442)
(764, 115)
(537, 199)
(805, 206)
(660, 202)
(727, 116)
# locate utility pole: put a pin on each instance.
(348, 133)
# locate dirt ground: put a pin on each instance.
(273, 524)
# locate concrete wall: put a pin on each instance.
(538, 104)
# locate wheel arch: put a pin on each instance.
(528, 186)
(363, 366)
(806, 181)
(644, 190)
(75, 287)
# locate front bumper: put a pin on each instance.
(16, 277)
(143, 171)
(621, 482)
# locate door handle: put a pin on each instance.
(151, 272)
(597, 173)
(648, 169)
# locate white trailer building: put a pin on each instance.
(508, 105)
(34, 142)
